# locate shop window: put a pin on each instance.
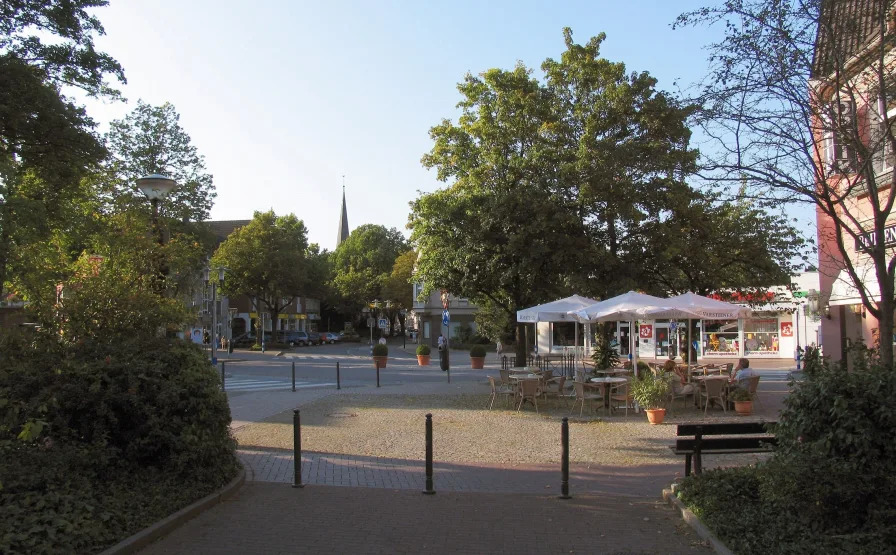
(720, 337)
(761, 335)
(564, 334)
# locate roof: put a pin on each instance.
(845, 28)
(343, 233)
(222, 229)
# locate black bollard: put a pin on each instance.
(293, 375)
(429, 490)
(564, 464)
(377, 373)
(297, 449)
(222, 376)
(337, 376)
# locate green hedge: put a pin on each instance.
(830, 487)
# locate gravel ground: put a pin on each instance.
(384, 425)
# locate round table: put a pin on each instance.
(609, 380)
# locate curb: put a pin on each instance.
(695, 523)
(168, 524)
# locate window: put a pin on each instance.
(884, 150)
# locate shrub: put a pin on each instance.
(650, 391)
(423, 350)
(477, 351)
(740, 394)
(380, 350)
(463, 334)
(605, 354)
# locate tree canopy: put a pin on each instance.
(267, 261)
(363, 263)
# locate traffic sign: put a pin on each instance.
(445, 317)
(371, 322)
(384, 323)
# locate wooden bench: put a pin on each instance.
(753, 437)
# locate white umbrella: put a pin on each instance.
(555, 311)
(629, 306)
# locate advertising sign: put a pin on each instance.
(645, 331)
(786, 329)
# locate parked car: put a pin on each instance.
(329, 337)
(349, 335)
(300, 338)
(248, 339)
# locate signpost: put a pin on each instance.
(384, 323)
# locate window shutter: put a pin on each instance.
(843, 152)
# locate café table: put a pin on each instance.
(608, 382)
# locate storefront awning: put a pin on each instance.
(844, 291)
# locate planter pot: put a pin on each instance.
(423, 360)
(655, 416)
(743, 408)
(381, 360)
(477, 362)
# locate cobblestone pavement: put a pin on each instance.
(391, 473)
(277, 519)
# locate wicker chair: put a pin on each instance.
(505, 377)
(714, 389)
(680, 391)
(498, 390)
(622, 392)
(581, 397)
(529, 389)
(752, 386)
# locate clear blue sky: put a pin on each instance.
(283, 97)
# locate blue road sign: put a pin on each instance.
(384, 323)
(445, 317)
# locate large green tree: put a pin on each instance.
(267, 260)
(363, 263)
(151, 140)
(47, 142)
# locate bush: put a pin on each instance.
(831, 485)
(423, 350)
(605, 355)
(380, 350)
(650, 391)
(463, 334)
(740, 394)
(477, 351)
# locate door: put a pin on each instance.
(663, 342)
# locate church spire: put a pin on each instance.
(343, 219)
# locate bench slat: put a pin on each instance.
(725, 452)
(726, 443)
(725, 429)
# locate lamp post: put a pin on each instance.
(156, 187)
(214, 334)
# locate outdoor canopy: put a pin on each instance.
(556, 311)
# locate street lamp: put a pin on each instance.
(214, 284)
(156, 187)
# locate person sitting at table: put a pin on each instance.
(741, 374)
(680, 383)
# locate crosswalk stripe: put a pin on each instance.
(238, 384)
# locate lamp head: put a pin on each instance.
(156, 186)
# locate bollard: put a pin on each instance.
(293, 376)
(377, 373)
(222, 376)
(564, 460)
(337, 376)
(429, 490)
(297, 449)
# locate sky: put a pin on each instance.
(284, 98)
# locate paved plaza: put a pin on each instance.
(265, 519)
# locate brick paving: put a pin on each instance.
(264, 518)
(270, 465)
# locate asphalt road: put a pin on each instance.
(316, 367)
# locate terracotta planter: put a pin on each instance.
(477, 362)
(743, 408)
(655, 416)
(381, 360)
(423, 360)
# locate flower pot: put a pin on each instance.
(743, 408)
(381, 361)
(477, 362)
(655, 416)
(423, 360)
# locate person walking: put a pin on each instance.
(499, 348)
(442, 342)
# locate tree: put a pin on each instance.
(621, 149)
(45, 139)
(707, 247)
(150, 140)
(790, 113)
(267, 261)
(398, 287)
(363, 263)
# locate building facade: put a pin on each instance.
(428, 316)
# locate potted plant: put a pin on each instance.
(380, 354)
(650, 392)
(423, 355)
(477, 357)
(743, 401)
